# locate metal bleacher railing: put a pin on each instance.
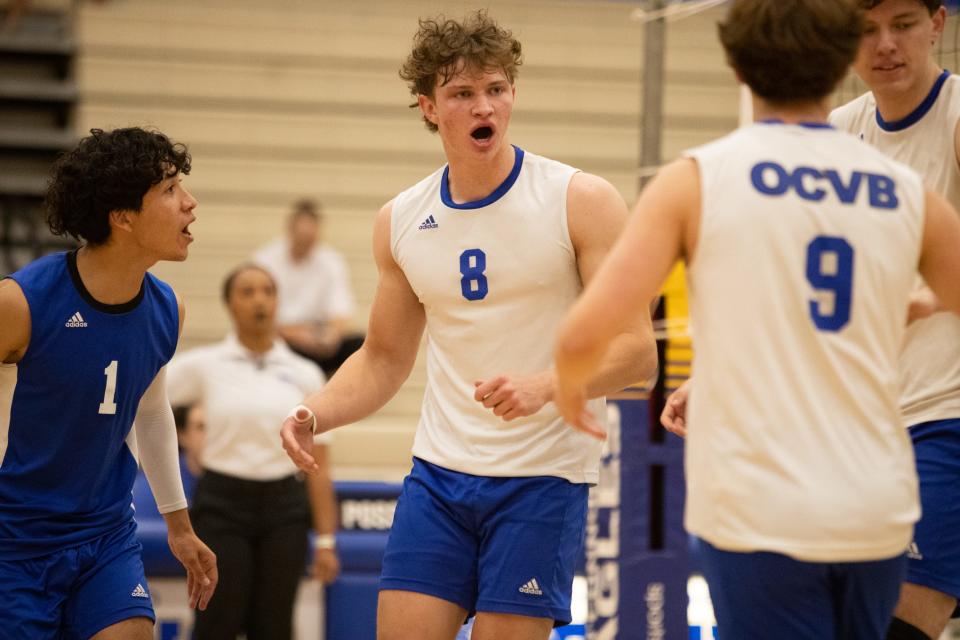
(37, 97)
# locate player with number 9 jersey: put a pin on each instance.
(801, 244)
(820, 293)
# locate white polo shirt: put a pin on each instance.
(245, 398)
(316, 289)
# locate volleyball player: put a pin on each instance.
(85, 336)
(802, 244)
(486, 253)
(912, 113)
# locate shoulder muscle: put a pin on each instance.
(15, 319)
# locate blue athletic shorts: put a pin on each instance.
(75, 592)
(502, 545)
(934, 556)
(762, 595)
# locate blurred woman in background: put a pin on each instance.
(251, 504)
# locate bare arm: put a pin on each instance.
(597, 216)
(940, 252)
(662, 229)
(372, 375)
(15, 320)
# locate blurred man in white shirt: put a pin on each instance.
(316, 302)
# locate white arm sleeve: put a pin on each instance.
(157, 444)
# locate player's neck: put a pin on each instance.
(109, 274)
(791, 113)
(472, 178)
(898, 103)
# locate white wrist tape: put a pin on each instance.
(325, 541)
(313, 418)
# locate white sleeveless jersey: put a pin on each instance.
(930, 359)
(808, 246)
(495, 277)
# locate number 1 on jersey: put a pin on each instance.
(473, 262)
(108, 406)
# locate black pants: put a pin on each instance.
(259, 532)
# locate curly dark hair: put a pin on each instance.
(930, 5)
(792, 50)
(443, 47)
(108, 171)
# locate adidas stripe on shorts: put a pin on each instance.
(502, 545)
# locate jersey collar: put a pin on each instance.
(914, 116)
(497, 193)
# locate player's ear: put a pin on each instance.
(428, 107)
(939, 18)
(121, 219)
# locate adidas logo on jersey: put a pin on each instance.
(140, 592)
(76, 320)
(532, 588)
(429, 223)
(913, 552)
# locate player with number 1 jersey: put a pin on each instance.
(85, 337)
(72, 399)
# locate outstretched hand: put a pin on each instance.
(297, 436)
(674, 414)
(201, 565)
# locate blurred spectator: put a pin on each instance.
(316, 303)
(189, 421)
(251, 505)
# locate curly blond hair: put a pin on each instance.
(443, 47)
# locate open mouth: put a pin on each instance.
(186, 231)
(482, 133)
(887, 67)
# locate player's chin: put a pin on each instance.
(176, 255)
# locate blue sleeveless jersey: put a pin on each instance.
(66, 471)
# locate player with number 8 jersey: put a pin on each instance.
(485, 254)
(480, 292)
